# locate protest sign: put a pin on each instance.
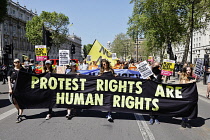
(167, 67)
(60, 69)
(144, 69)
(41, 52)
(63, 57)
(199, 67)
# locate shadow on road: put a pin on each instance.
(84, 113)
(4, 103)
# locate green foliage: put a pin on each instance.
(3, 9)
(122, 44)
(164, 21)
(86, 49)
(56, 23)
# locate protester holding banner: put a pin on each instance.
(157, 77)
(71, 112)
(186, 77)
(48, 68)
(12, 76)
(106, 70)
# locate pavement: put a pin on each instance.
(202, 89)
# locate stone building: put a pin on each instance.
(12, 33)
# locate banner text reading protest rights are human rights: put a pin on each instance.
(104, 93)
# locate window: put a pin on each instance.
(13, 12)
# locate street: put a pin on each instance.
(92, 125)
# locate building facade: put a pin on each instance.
(201, 46)
(73, 39)
(12, 33)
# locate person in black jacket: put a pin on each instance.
(12, 77)
(157, 77)
(107, 71)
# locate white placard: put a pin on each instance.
(144, 69)
(114, 56)
(199, 67)
(88, 57)
(63, 57)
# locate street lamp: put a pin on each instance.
(192, 26)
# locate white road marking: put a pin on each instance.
(8, 113)
(143, 127)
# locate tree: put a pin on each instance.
(3, 11)
(86, 49)
(158, 21)
(164, 22)
(54, 22)
(122, 45)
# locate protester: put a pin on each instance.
(12, 76)
(3, 70)
(48, 68)
(106, 71)
(125, 66)
(186, 77)
(93, 66)
(157, 77)
(118, 65)
(83, 65)
(208, 88)
(71, 112)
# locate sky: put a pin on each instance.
(92, 19)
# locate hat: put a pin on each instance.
(72, 64)
(48, 62)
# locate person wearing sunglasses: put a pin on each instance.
(12, 77)
(107, 71)
(48, 69)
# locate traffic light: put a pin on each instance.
(8, 49)
(48, 38)
(206, 60)
(72, 49)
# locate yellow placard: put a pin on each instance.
(99, 52)
(168, 65)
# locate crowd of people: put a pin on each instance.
(185, 74)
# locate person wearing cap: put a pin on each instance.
(12, 77)
(48, 69)
(71, 112)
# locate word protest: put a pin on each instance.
(118, 94)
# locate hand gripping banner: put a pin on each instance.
(118, 94)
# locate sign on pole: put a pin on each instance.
(167, 67)
(144, 69)
(63, 57)
(41, 52)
